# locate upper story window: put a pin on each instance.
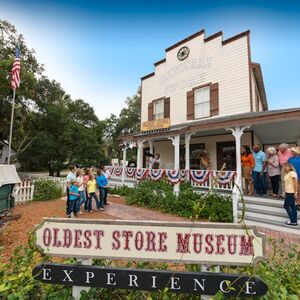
(202, 102)
(158, 112)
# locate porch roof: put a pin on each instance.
(268, 125)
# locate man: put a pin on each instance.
(294, 160)
(259, 173)
(70, 177)
(284, 154)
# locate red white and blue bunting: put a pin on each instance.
(130, 172)
(199, 176)
(110, 170)
(183, 174)
(156, 174)
(118, 171)
(173, 176)
(223, 177)
(141, 173)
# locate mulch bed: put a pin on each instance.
(32, 214)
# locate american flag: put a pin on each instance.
(15, 71)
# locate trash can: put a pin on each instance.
(8, 178)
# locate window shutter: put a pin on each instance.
(150, 111)
(214, 99)
(190, 105)
(167, 108)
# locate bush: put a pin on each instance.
(159, 195)
(123, 190)
(46, 190)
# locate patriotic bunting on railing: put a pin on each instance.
(156, 174)
(183, 174)
(173, 176)
(223, 177)
(199, 176)
(130, 172)
(141, 173)
(118, 171)
(110, 170)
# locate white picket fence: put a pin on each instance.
(23, 191)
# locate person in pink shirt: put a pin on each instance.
(284, 153)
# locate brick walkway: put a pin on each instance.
(126, 212)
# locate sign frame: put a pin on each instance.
(161, 224)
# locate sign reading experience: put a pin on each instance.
(211, 243)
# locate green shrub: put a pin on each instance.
(123, 190)
(46, 190)
(159, 195)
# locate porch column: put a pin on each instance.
(140, 146)
(124, 160)
(176, 143)
(237, 132)
(150, 142)
(187, 149)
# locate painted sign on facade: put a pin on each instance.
(156, 124)
(160, 241)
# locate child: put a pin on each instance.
(102, 183)
(291, 193)
(73, 199)
(81, 189)
(91, 192)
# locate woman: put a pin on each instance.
(248, 164)
(273, 170)
(291, 193)
(204, 160)
(81, 189)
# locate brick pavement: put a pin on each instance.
(126, 212)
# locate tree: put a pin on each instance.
(9, 40)
(63, 131)
(127, 122)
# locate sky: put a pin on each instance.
(98, 50)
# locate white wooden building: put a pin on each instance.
(209, 94)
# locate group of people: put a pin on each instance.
(283, 168)
(83, 187)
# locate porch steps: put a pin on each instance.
(268, 213)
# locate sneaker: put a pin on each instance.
(298, 206)
(101, 208)
(288, 223)
(68, 216)
(90, 211)
(107, 203)
(80, 212)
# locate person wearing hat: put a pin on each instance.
(294, 160)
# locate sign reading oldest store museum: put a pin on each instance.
(150, 280)
(211, 243)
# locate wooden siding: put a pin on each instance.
(225, 64)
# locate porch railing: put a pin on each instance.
(206, 179)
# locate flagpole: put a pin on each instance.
(11, 125)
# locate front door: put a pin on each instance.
(226, 155)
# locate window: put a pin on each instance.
(158, 110)
(1, 151)
(202, 102)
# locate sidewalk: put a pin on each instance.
(121, 211)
